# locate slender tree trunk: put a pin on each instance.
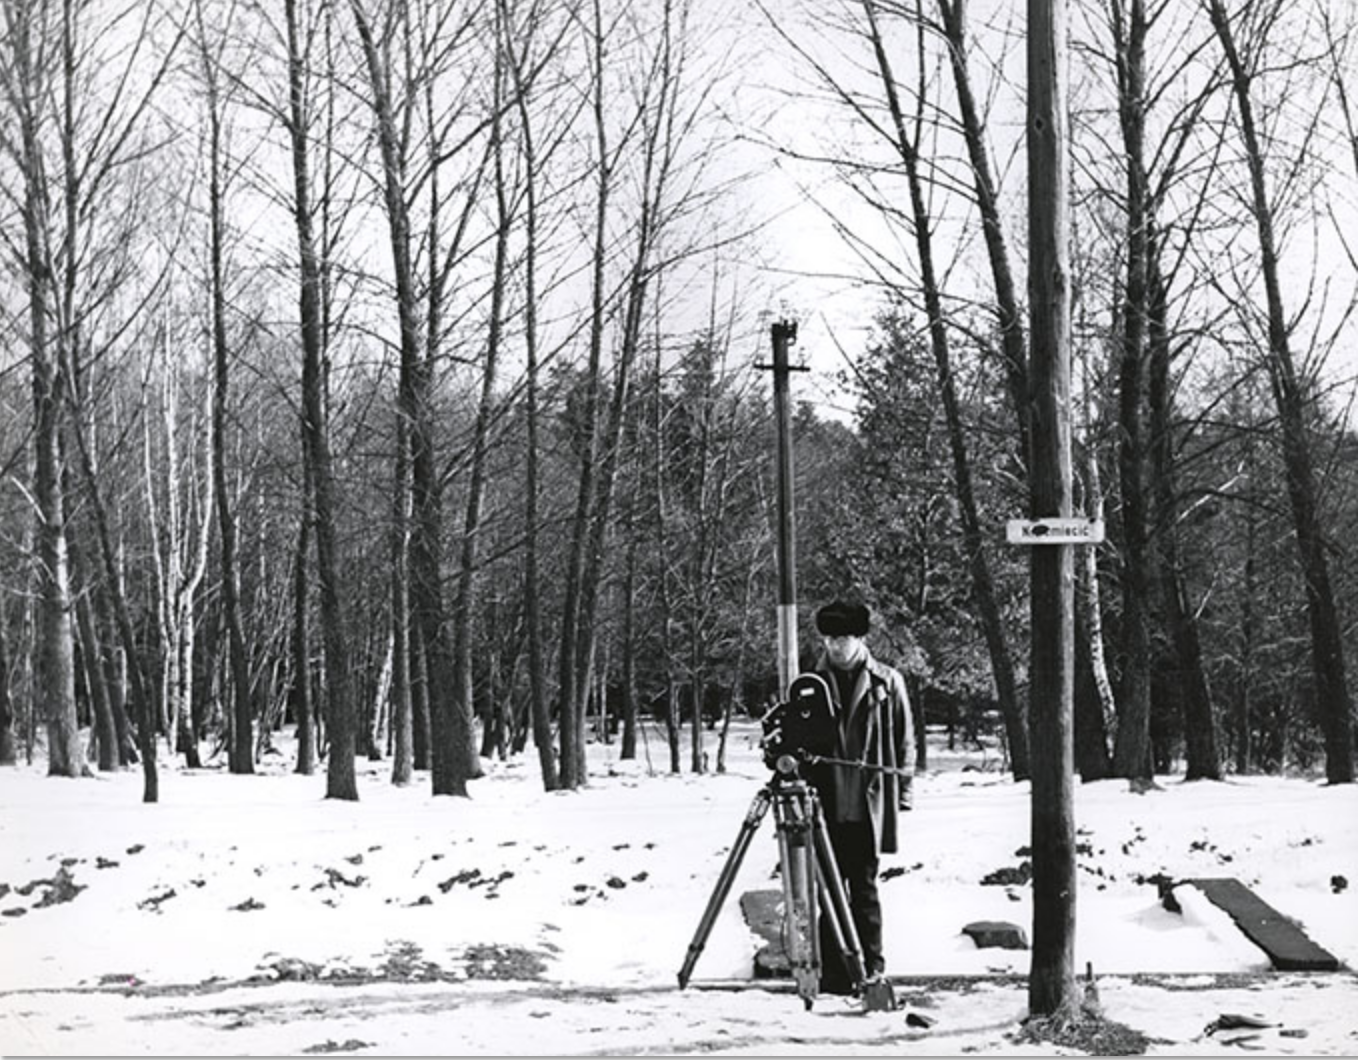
(9, 750)
(240, 751)
(665, 600)
(1092, 760)
(1009, 308)
(1131, 752)
(574, 621)
(54, 674)
(698, 595)
(1094, 709)
(1188, 671)
(539, 707)
(415, 403)
(463, 711)
(303, 706)
(973, 535)
(1327, 643)
(1089, 597)
(628, 675)
(419, 694)
(379, 696)
(341, 715)
(402, 701)
(402, 663)
(1244, 713)
(106, 735)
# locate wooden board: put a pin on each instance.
(1287, 945)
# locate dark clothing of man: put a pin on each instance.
(861, 806)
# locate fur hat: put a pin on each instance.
(841, 619)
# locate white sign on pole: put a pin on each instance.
(1076, 531)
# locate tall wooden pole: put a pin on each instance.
(1051, 977)
(784, 335)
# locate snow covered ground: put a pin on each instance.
(251, 916)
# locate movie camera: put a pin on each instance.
(800, 728)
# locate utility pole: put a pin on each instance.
(1051, 977)
(785, 335)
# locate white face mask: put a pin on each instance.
(844, 652)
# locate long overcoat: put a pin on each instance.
(877, 719)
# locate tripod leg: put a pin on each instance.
(758, 808)
(837, 902)
(877, 993)
(796, 851)
(836, 918)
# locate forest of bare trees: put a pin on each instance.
(384, 372)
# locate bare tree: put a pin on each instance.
(907, 145)
(1131, 752)
(1008, 303)
(82, 107)
(1242, 38)
(179, 510)
(320, 475)
(450, 723)
(28, 78)
(660, 118)
(539, 707)
(240, 749)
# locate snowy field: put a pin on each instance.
(251, 916)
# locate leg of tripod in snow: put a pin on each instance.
(834, 907)
(758, 808)
(876, 991)
(796, 853)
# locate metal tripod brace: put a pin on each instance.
(812, 887)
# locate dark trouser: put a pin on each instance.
(856, 854)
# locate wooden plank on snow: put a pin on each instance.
(1288, 947)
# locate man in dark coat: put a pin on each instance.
(861, 806)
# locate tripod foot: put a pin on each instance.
(878, 995)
